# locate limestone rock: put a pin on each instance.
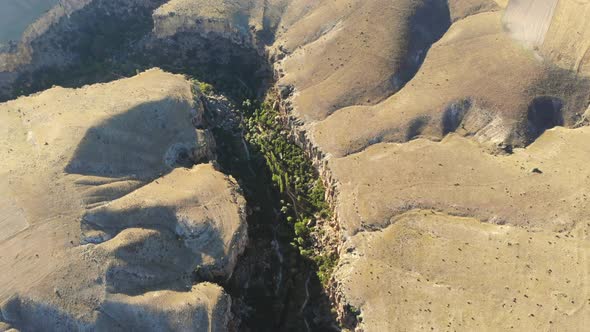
(226, 19)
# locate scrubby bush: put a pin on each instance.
(206, 88)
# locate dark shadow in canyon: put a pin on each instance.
(544, 113)
(280, 280)
(428, 24)
(102, 46)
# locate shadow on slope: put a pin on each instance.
(115, 315)
(544, 113)
(100, 44)
(428, 24)
(133, 148)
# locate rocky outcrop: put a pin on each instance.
(221, 19)
(111, 226)
(217, 40)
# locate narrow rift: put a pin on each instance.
(293, 175)
(285, 275)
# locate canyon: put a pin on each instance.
(450, 138)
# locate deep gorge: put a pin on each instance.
(279, 281)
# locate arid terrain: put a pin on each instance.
(362, 165)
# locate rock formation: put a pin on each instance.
(451, 134)
(108, 222)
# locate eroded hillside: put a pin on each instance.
(450, 136)
(107, 221)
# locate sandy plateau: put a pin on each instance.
(452, 136)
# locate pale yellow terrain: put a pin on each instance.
(431, 271)
(560, 30)
(332, 49)
(453, 199)
(464, 179)
(105, 223)
(567, 41)
(452, 133)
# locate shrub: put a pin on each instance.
(206, 88)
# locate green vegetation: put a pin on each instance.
(206, 88)
(302, 192)
(354, 310)
(326, 265)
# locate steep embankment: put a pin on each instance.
(75, 39)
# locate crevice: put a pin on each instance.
(276, 274)
(543, 114)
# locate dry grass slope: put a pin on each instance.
(447, 128)
(103, 218)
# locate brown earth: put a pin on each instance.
(452, 136)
